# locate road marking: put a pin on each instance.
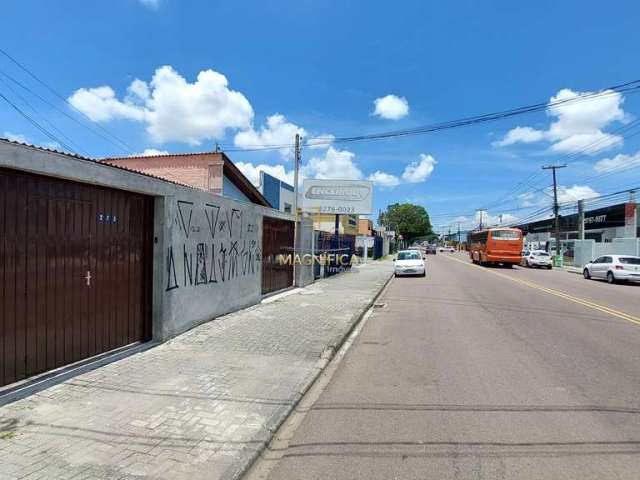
(557, 293)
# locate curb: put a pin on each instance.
(277, 419)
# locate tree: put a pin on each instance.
(408, 220)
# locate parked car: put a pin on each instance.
(449, 249)
(614, 268)
(537, 258)
(410, 262)
(431, 249)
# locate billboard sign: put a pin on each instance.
(339, 197)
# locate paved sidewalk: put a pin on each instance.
(199, 406)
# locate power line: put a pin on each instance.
(590, 149)
(58, 95)
(34, 110)
(36, 124)
(632, 86)
(61, 111)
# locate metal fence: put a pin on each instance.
(330, 243)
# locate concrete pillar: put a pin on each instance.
(631, 216)
(580, 219)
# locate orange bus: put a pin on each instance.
(496, 245)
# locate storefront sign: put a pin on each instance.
(338, 197)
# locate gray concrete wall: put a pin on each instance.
(212, 259)
(304, 273)
(207, 248)
(583, 252)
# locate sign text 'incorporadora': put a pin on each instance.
(338, 196)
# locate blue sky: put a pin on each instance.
(321, 66)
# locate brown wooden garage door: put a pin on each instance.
(75, 272)
(277, 238)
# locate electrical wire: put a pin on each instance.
(42, 118)
(126, 148)
(36, 124)
(627, 87)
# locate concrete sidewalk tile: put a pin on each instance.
(199, 406)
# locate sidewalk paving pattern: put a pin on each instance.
(199, 406)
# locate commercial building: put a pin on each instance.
(278, 193)
(601, 225)
(607, 230)
(281, 195)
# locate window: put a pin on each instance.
(479, 237)
(630, 260)
(599, 260)
(287, 207)
(409, 256)
(607, 260)
(541, 254)
(505, 234)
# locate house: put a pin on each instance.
(97, 257)
(210, 171)
(365, 227)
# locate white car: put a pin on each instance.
(537, 258)
(449, 249)
(410, 262)
(614, 268)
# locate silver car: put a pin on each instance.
(614, 268)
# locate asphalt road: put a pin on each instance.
(482, 373)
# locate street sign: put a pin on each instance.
(339, 197)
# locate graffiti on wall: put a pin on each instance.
(216, 244)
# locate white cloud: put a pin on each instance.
(384, 180)
(15, 137)
(468, 223)
(529, 199)
(253, 172)
(575, 193)
(277, 131)
(335, 164)
(150, 152)
(578, 125)
(520, 134)
(19, 137)
(321, 141)
(101, 105)
(417, 172)
(172, 108)
(619, 162)
(52, 145)
(565, 195)
(391, 107)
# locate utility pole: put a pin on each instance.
(458, 235)
(296, 229)
(556, 208)
(480, 218)
(295, 176)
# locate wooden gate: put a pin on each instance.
(75, 272)
(277, 239)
